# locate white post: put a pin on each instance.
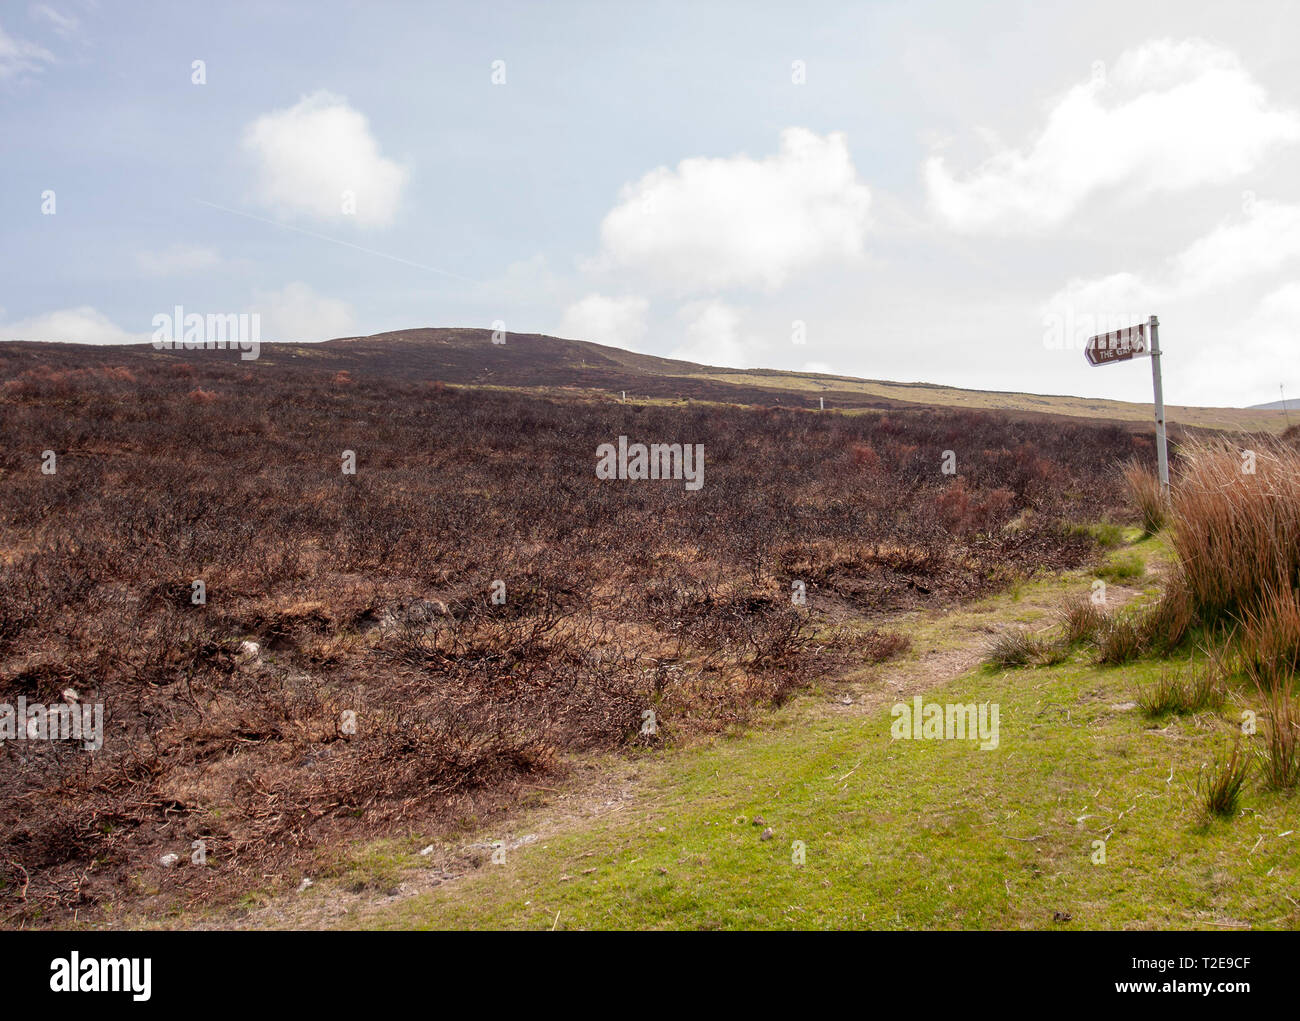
(624, 396)
(1162, 451)
(823, 403)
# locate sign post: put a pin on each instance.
(1125, 345)
(1162, 451)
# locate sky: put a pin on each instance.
(944, 192)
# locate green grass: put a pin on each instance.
(1107, 534)
(1124, 566)
(914, 834)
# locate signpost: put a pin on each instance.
(1124, 345)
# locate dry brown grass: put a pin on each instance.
(1081, 620)
(1122, 638)
(1279, 759)
(1237, 535)
(1270, 637)
(1144, 489)
(881, 645)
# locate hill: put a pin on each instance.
(469, 357)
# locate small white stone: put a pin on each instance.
(306, 884)
(427, 850)
(70, 696)
(168, 860)
(250, 649)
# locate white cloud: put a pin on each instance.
(712, 335)
(713, 223)
(1223, 353)
(1246, 365)
(81, 325)
(1267, 238)
(64, 24)
(177, 260)
(19, 57)
(1262, 241)
(1084, 308)
(293, 313)
(309, 155)
(619, 322)
(297, 313)
(1172, 116)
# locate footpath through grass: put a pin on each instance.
(1085, 815)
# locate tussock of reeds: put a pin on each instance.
(1145, 491)
(1220, 789)
(1236, 533)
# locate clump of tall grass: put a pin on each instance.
(1270, 638)
(1279, 759)
(1236, 532)
(1018, 646)
(1158, 627)
(1168, 621)
(1081, 619)
(1183, 693)
(1145, 491)
(1221, 788)
(1121, 639)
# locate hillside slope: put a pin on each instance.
(469, 357)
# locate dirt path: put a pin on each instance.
(947, 644)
